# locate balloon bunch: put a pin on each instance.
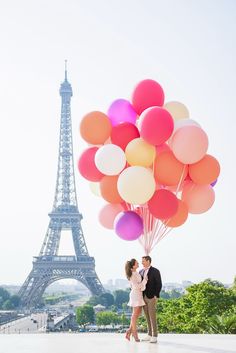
(148, 161)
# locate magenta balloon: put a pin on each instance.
(189, 144)
(128, 225)
(121, 111)
(214, 183)
(156, 125)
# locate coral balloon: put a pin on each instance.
(108, 214)
(123, 133)
(87, 167)
(121, 111)
(136, 185)
(180, 217)
(156, 125)
(147, 93)
(189, 144)
(168, 170)
(128, 225)
(177, 110)
(139, 152)
(206, 171)
(199, 198)
(110, 159)
(163, 204)
(95, 128)
(108, 188)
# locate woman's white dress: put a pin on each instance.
(137, 287)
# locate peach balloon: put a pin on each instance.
(168, 170)
(136, 185)
(199, 198)
(177, 110)
(189, 144)
(140, 152)
(108, 188)
(180, 217)
(205, 171)
(95, 128)
(108, 214)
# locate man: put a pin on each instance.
(150, 295)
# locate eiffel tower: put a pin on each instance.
(48, 267)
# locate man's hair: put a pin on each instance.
(147, 258)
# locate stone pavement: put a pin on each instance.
(114, 343)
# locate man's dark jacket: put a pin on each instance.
(154, 284)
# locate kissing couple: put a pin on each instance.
(145, 291)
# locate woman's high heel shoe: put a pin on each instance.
(127, 334)
(135, 336)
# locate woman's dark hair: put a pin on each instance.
(128, 266)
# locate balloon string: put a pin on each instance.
(180, 180)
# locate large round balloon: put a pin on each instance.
(139, 152)
(121, 111)
(128, 225)
(177, 110)
(108, 214)
(95, 128)
(136, 185)
(162, 148)
(110, 159)
(108, 188)
(189, 144)
(147, 93)
(199, 198)
(87, 167)
(163, 204)
(156, 125)
(168, 170)
(180, 217)
(206, 171)
(123, 133)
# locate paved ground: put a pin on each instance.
(114, 343)
(28, 324)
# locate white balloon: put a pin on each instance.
(95, 188)
(110, 159)
(177, 110)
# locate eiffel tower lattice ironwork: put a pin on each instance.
(49, 267)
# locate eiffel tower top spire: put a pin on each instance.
(65, 89)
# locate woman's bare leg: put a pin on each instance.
(133, 324)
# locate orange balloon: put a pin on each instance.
(180, 217)
(168, 170)
(95, 128)
(205, 171)
(108, 188)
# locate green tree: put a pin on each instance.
(85, 315)
(7, 305)
(121, 296)
(4, 295)
(93, 300)
(225, 324)
(15, 300)
(107, 318)
(106, 299)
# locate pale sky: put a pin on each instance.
(188, 46)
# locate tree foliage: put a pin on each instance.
(85, 315)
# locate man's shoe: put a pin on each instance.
(146, 338)
(153, 339)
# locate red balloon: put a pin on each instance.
(163, 204)
(147, 93)
(123, 133)
(87, 167)
(157, 125)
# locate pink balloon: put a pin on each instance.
(162, 148)
(147, 93)
(156, 125)
(108, 214)
(87, 167)
(199, 198)
(121, 111)
(189, 144)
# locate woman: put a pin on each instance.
(136, 296)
